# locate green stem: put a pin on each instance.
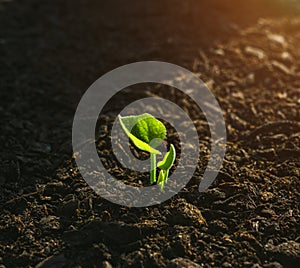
(153, 168)
(166, 175)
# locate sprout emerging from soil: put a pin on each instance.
(147, 133)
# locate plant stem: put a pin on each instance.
(166, 175)
(153, 168)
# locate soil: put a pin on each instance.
(248, 55)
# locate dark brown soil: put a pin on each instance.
(51, 51)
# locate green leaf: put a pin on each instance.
(165, 166)
(144, 130)
(161, 179)
(168, 160)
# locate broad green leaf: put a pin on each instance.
(150, 130)
(130, 121)
(143, 129)
(168, 160)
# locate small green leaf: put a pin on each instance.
(161, 179)
(168, 160)
(143, 130)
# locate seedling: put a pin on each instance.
(147, 133)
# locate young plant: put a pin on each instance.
(147, 133)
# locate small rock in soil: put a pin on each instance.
(54, 188)
(53, 261)
(274, 264)
(184, 213)
(256, 52)
(106, 264)
(50, 223)
(68, 209)
(288, 253)
(182, 263)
